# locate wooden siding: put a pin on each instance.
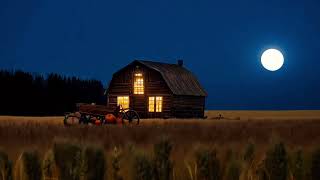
(188, 106)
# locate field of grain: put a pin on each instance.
(300, 128)
(297, 129)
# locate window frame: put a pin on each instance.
(138, 86)
(157, 103)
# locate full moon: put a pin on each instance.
(272, 59)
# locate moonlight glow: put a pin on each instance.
(272, 59)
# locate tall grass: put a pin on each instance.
(315, 165)
(142, 167)
(162, 163)
(297, 165)
(28, 166)
(49, 169)
(115, 163)
(233, 171)
(248, 171)
(94, 160)
(69, 160)
(208, 164)
(173, 158)
(276, 162)
(5, 167)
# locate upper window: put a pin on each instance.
(138, 85)
(123, 101)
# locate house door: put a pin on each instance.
(155, 105)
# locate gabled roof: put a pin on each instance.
(180, 80)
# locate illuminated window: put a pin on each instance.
(123, 101)
(138, 87)
(158, 104)
(151, 104)
(155, 104)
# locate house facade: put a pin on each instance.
(157, 90)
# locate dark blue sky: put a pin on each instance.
(220, 41)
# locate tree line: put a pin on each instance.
(23, 93)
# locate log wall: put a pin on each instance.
(188, 106)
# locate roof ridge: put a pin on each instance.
(158, 62)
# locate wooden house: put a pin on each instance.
(157, 90)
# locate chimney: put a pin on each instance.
(180, 62)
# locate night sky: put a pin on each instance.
(220, 42)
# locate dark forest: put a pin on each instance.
(23, 93)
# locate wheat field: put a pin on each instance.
(297, 129)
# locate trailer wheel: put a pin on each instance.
(133, 117)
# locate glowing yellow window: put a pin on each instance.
(155, 104)
(151, 104)
(123, 101)
(158, 104)
(138, 86)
